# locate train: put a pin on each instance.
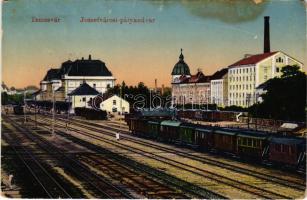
(18, 109)
(248, 145)
(209, 115)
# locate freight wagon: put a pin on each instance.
(246, 144)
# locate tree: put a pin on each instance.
(285, 97)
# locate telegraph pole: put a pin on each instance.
(68, 109)
(24, 107)
(35, 112)
(248, 101)
(207, 99)
(53, 112)
(149, 99)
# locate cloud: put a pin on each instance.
(228, 11)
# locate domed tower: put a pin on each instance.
(181, 68)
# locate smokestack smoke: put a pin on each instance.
(266, 45)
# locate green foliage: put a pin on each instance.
(12, 99)
(134, 94)
(285, 98)
(4, 98)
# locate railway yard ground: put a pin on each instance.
(83, 159)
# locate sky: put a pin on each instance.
(212, 34)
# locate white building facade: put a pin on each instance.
(219, 88)
(115, 104)
(247, 74)
(72, 74)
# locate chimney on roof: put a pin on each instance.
(90, 57)
(266, 45)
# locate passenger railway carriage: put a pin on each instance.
(247, 144)
(252, 145)
(286, 150)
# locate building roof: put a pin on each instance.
(36, 92)
(83, 90)
(170, 123)
(60, 89)
(263, 86)
(287, 140)
(199, 77)
(181, 68)
(52, 74)
(88, 68)
(78, 67)
(254, 59)
(219, 74)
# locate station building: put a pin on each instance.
(62, 81)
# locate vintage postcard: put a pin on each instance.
(153, 99)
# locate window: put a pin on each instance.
(279, 60)
(249, 142)
(108, 85)
(94, 85)
(114, 102)
(277, 69)
(84, 99)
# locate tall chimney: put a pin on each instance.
(162, 90)
(266, 41)
(156, 85)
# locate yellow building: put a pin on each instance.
(247, 74)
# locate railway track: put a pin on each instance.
(50, 187)
(125, 135)
(260, 192)
(147, 187)
(91, 181)
(139, 182)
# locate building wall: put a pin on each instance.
(241, 87)
(71, 83)
(219, 91)
(115, 104)
(216, 89)
(196, 93)
(243, 80)
(81, 101)
(225, 90)
(99, 83)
